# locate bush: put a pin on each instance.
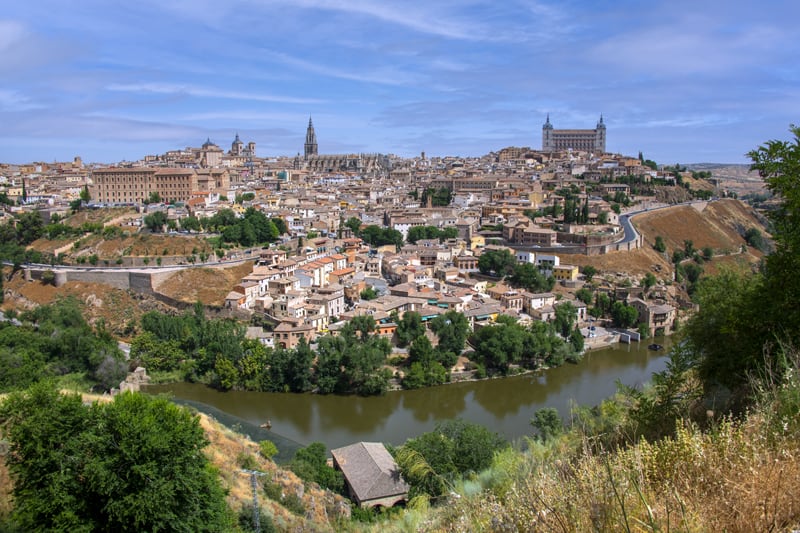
(247, 461)
(267, 448)
(49, 277)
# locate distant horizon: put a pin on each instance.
(678, 80)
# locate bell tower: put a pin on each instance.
(548, 144)
(311, 140)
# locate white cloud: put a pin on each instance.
(204, 92)
(11, 33)
(14, 101)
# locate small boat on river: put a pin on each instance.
(655, 347)
(266, 425)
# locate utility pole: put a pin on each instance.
(254, 483)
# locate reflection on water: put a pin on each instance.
(503, 405)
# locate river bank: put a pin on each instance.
(502, 405)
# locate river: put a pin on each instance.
(503, 405)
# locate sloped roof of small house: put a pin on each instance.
(370, 471)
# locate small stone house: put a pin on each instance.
(372, 475)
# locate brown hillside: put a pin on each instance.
(119, 309)
(103, 216)
(720, 225)
(153, 245)
(208, 285)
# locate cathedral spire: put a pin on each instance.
(310, 147)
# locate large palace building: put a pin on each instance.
(123, 185)
(554, 140)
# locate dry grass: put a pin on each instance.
(116, 307)
(226, 446)
(740, 477)
(208, 285)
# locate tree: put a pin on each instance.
(409, 328)
(454, 448)
(500, 262)
(547, 422)
(368, 293)
(584, 294)
(135, 464)
(190, 223)
(565, 317)
(624, 315)
(499, 345)
(529, 277)
(310, 464)
(155, 221)
(589, 271)
(30, 226)
(452, 329)
(659, 245)
(649, 281)
(268, 449)
(154, 198)
(354, 223)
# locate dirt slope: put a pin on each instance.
(208, 285)
(720, 225)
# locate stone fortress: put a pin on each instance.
(554, 140)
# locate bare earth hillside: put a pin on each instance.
(719, 225)
(208, 285)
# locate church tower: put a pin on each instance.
(600, 137)
(548, 143)
(311, 140)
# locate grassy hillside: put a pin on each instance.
(736, 475)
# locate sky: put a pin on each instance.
(680, 81)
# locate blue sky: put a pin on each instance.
(682, 81)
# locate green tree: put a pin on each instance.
(589, 271)
(85, 196)
(409, 328)
(499, 262)
(501, 344)
(310, 464)
(154, 198)
(659, 245)
(190, 223)
(368, 293)
(452, 329)
(584, 294)
(155, 221)
(454, 448)
(565, 317)
(30, 226)
(649, 281)
(354, 223)
(135, 464)
(624, 315)
(267, 449)
(547, 422)
(529, 277)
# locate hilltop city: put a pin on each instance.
(409, 232)
(346, 274)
